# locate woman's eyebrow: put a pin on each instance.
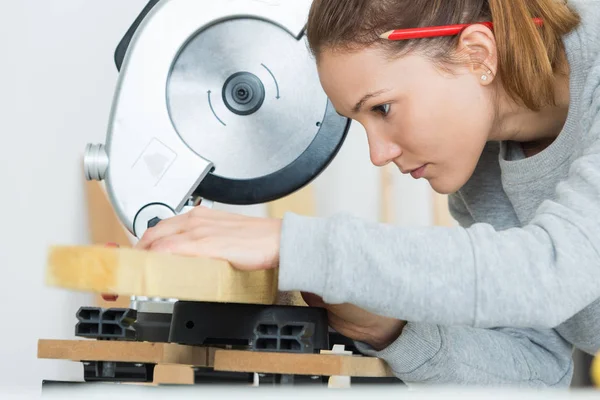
(366, 97)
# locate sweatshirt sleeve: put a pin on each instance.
(433, 354)
(536, 276)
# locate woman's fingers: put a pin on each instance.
(246, 243)
(199, 217)
(183, 243)
(167, 227)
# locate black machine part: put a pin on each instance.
(110, 371)
(107, 324)
(124, 44)
(251, 326)
(204, 376)
(259, 327)
(153, 327)
(244, 325)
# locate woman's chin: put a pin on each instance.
(444, 186)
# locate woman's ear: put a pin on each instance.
(478, 43)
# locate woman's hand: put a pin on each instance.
(251, 243)
(247, 243)
(357, 324)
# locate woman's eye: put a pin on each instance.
(382, 109)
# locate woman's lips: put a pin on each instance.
(419, 172)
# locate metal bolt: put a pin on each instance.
(95, 162)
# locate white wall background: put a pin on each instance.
(57, 78)
(56, 84)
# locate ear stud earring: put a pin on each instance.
(484, 77)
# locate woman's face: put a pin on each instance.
(431, 124)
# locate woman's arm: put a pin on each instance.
(434, 354)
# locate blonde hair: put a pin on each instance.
(528, 55)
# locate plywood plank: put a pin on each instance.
(104, 227)
(129, 272)
(300, 364)
(219, 359)
(138, 352)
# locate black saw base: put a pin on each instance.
(286, 329)
(261, 328)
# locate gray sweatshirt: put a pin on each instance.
(525, 256)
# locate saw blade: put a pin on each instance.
(244, 93)
(290, 104)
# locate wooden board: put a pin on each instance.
(165, 374)
(135, 352)
(129, 272)
(300, 364)
(104, 227)
(219, 359)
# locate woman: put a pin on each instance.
(506, 121)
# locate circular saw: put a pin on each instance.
(218, 101)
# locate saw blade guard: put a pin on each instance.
(217, 100)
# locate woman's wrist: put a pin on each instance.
(386, 335)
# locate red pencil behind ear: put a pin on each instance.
(435, 31)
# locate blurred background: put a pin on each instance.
(57, 79)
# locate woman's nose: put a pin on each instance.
(382, 151)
